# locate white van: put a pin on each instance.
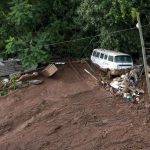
(115, 63)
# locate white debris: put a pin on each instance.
(5, 81)
(115, 84)
(126, 85)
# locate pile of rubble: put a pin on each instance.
(20, 80)
(127, 85)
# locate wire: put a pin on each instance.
(89, 37)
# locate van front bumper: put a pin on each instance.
(120, 71)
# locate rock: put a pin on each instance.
(23, 85)
(35, 82)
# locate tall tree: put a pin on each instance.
(35, 30)
(36, 25)
(107, 16)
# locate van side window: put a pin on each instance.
(110, 58)
(97, 55)
(105, 57)
(102, 55)
(94, 53)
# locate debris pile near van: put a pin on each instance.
(127, 85)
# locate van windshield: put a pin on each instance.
(123, 59)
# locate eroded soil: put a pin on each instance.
(70, 112)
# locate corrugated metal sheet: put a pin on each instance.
(9, 67)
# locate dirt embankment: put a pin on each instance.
(70, 112)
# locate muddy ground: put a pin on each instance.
(69, 111)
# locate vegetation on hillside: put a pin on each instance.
(35, 30)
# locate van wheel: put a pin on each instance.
(109, 76)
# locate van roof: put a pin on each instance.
(113, 53)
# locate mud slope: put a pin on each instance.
(69, 112)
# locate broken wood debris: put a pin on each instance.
(90, 74)
(50, 70)
(28, 76)
(126, 85)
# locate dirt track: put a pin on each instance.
(69, 112)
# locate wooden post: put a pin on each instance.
(143, 52)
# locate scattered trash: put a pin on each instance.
(126, 85)
(59, 63)
(49, 70)
(127, 96)
(115, 85)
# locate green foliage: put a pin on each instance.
(3, 92)
(21, 12)
(14, 76)
(134, 13)
(10, 45)
(109, 16)
(36, 25)
(31, 50)
(13, 84)
(13, 80)
(29, 29)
